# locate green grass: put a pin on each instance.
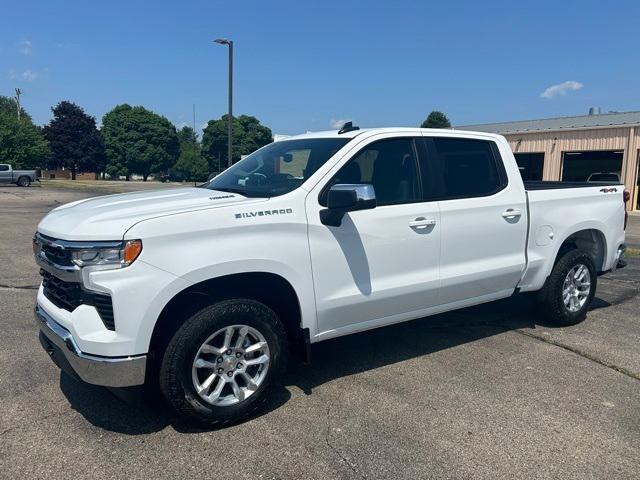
(632, 252)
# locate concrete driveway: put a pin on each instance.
(487, 392)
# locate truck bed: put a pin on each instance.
(559, 209)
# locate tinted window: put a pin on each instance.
(530, 165)
(4, 168)
(467, 168)
(278, 168)
(390, 166)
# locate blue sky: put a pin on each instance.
(303, 65)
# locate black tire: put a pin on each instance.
(24, 181)
(551, 295)
(175, 377)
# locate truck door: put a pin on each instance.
(5, 174)
(483, 220)
(381, 264)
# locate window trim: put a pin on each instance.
(497, 159)
(322, 196)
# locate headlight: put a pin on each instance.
(108, 257)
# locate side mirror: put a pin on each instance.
(343, 198)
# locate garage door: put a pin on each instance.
(580, 166)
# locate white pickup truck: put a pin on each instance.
(206, 291)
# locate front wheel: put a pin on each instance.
(221, 364)
(568, 291)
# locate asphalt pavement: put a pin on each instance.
(633, 230)
(487, 392)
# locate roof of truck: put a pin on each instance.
(355, 133)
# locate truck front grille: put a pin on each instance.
(56, 255)
(69, 296)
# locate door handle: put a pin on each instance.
(421, 223)
(511, 213)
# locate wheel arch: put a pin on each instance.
(272, 289)
(591, 241)
(21, 177)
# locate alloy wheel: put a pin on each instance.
(230, 365)
(576, 288)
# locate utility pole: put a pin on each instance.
(194, 124)
(229, 43)
(18, 93)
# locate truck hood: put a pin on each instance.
(109, 217)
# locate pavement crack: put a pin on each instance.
(623, 280)
(335, 450)
(19, 287)
(582, 354)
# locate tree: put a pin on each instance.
(21, 142)
(187, 135)
(436, 119)
(248, 136)
(191, 165)
(75, 142)
(138, 141)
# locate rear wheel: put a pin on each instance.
(221, 364)
(24, 181)
(570, 288)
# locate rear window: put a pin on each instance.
(467, 167)
(604, 177)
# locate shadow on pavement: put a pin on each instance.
(133, 414)
(331, 359)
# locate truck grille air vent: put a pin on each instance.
(69, 296)
(58, 256)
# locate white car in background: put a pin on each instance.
(610, 177)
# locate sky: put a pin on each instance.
(308, 65)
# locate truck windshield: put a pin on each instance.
(277, 168)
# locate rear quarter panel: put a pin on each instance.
(557, 214)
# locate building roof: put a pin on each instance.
(559, 123)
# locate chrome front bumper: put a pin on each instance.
(97, 370)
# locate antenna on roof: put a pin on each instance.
(348, 127)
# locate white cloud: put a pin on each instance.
(335, 124)
(12, 74)
(29, 75)
(561, 89)
(26, 47)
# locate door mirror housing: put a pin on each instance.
(343, 198)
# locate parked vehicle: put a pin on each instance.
(171, 176)
(22, 178)
(611, 177)
(206, 291)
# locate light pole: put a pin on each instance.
(229, 43)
